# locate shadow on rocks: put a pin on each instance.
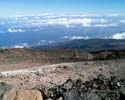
(99, 88)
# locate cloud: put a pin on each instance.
(69, 26)
(75, 37)
(118, 36)
(21, 45)
(122, 21)
(15, 30)
(105, 25)
(62, 21)
(67, 20)
(44, 42)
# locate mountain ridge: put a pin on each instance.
(85, 45)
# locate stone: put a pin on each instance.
(14, 94)
(71, 95)
(3, 88)
(122, 94)
(49, 99)
(68, 85)
(61, 98)
(90, 96)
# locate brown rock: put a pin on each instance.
(22, 95)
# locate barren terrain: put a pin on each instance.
(28, 70)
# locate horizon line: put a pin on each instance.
(66, 14)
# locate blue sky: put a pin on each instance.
(26, 7)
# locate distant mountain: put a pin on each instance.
(85, 45)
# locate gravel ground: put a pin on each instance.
(57, 74)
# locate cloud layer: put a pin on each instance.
(118, 36)
(75, 37)
(66, 20)
(21, 45)
(15, 30)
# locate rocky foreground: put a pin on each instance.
(86, 80)
(92, 79)
(99, 88)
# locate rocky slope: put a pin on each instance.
(69, 80)
(100, 88)
(12, 59)
(76, 76)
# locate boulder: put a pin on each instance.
(90, 96)
(71, 95)
(3, 88)
(122, 94)
(14, 94)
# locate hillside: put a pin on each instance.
(11, 59)
(86, 80)
(62, 75)
(85, 45)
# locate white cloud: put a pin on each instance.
(15, 30)
(105, 25)
(41, 42)
(18, 46)
(102, 20)
(21, 45)
(75, 37)
(118, 36)
(79, 37)
(66, 21)
(122, 21)
(44, 42)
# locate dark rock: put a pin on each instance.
(3, 88)
(68, 85)
(122, 93)
(90, 96)
(99, 88)
(71, 95)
